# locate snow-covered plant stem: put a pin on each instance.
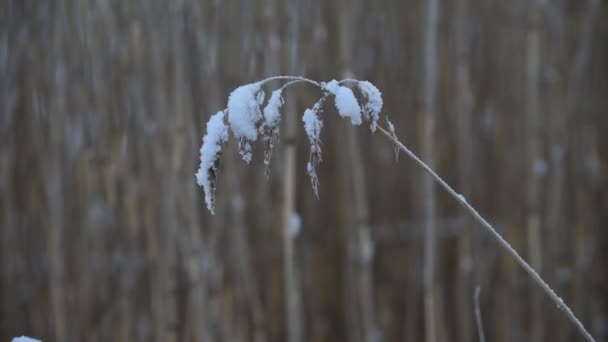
(484, 223)
(246, 121)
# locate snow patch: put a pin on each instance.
(270, 129)
(331, 86)
(462, 198)
(346, 102)
(373, 102)
(244, 114)
(312, 126)
(296, 224)
(214, 139)
(347, 105)
(25, 339)
(272, 116)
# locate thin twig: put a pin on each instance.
(556, 299)
(482, 337)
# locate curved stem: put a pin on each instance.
(292, 82)
(463, 202)
(290, 78)
(298, 79)
(351, 80)
(535, 276)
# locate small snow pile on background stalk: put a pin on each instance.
(211, 151)
(247, 120)
(25, 339)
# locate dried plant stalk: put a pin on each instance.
(347, 109)
(477, 217)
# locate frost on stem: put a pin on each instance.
(244, 115)
(372, 103)
(346, 102)
(391, 131)
(270, 128)
(211, 151)
(312, 126)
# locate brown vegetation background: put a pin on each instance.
(105, 237)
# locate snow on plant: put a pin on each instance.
(372, 104)
(346, 103)
(247, 121)
(244, 115)
(391, 131)
(312, 126)
(211, 151)
(270, 128)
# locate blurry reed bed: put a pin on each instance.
(104, 234)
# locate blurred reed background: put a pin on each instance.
(105, 236)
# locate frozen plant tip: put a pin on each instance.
(247, 121)
(211, 151)
(373, 103)
(312, 126)
(270, 129)
(244, 115)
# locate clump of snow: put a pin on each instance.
(373, 102)
(346, 102)
(211, 150)
(25, 339)
(272, 116)
(270, 129)
(244, 114)
(540, 167)
(462, 198)
(368, 249)
(246, 119)
(296, 224)
(312, 126)
(347, 105)
(331, 86)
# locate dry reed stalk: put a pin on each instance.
(478, 321)
(477, 217)
(329, 88)
(432, 295)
